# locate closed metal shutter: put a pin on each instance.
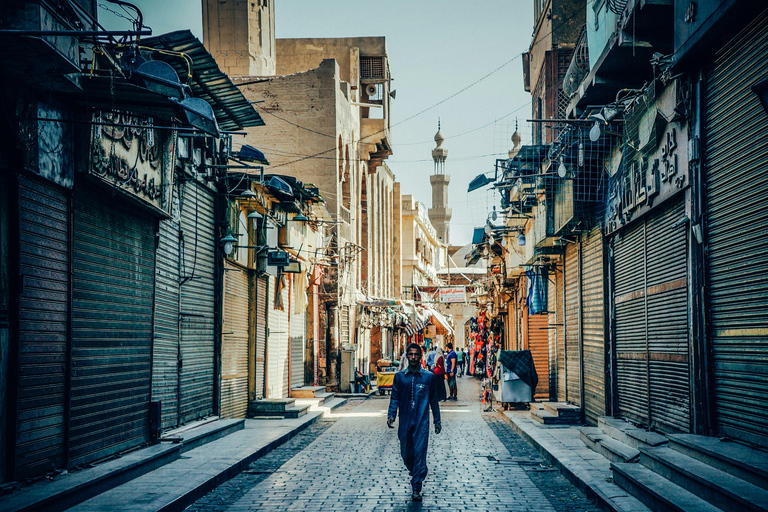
(196, 275)
(234, 343)
(259, 371)
(652, 335)
(43, 327)
(560, 316)
(631, 335)
(165, 349)
(538, 344)
(593, 325)
(298, 342)
(112, 305)
(737, 230)
(277, 344)
(572, 353)
(552, 333)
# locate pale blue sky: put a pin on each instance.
(436, 48)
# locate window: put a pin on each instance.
(372, 68)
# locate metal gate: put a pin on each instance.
(165, 349)
(43, 255)
(572, 327)
(277, 341)
(112, 305)
(298, 342)
(538, 344)
(736, 188)
(651, 326)
(593, 324)
(234, 343)
(260, 356)
(560, 332)
(196, 277)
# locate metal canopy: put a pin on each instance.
(208, 82)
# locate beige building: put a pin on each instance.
(326, 105)
(423, 254)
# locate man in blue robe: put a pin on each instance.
(414, 393)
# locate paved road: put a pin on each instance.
(351, 462)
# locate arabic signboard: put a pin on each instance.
(453, 294)
(133, 156)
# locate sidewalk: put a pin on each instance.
(168, 476)
(589, 471)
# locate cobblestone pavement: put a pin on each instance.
(351, 462)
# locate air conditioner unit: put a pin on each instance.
(278, 258)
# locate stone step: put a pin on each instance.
(307, 391)
(288, 412)
(315, 401)
(270, 405)
(739, 460)
(613, 450)
(547, 418)
(655, 491)
(629, 434)
(719, 488)
(198, 435)
(562, 410)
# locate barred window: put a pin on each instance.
(372, 68)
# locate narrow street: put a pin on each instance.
(351, 462)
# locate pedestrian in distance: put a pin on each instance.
(439, 371)
(450, 371)
(460, 362)
(431, 357)
(414, 393)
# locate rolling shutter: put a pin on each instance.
(197, 270)
(552, 333)
(736, 188)
(260, 358)
(298, 342)
(560, 298)
(43, 327)
(652, 336)
(277, 343)
(593, 320)
(234, 344)
(112, 305)
(538, 344)
(165, 349)
(572, 363)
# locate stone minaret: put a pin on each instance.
(440, 213)
(241, 35)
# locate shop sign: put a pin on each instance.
(133, 156)
(647, 181)
(453, 294)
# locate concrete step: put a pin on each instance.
(325, 407)
(711, 484)
(269, 405)
(287, 412)
(629, 434)
(736, 459)
(193, 436)
(562, 410)
(547, 418)
(613, 450)
(307, 391)
(655, 491)
(315, 401)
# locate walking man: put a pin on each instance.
(431, 357)
(450, 371)
(460, 361)
(414, 393)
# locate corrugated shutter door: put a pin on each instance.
(552, 333)
(112, 305)
(573, 379)
(43, 327)
(262, 285)
(234, 343)
(538, 344)
(667, 295)
(197, 270)
(298, 342)
(277, 344)
(560, 315)
(631, 349)
(593, 321)
(165, 350)
(737, 232)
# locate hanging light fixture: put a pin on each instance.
(521, 239)
(255, 218)
(300, 217)
(248, 194)
(228, 242)
(561, 170)
(594, 132)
